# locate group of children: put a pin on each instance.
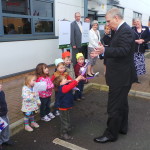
(68, 84)
(65, 80)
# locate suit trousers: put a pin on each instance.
(117, 109)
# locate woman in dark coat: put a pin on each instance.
(142, 36)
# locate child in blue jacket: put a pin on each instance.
(65, 102)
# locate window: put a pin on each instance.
(137, 15)
(16, 7)
(42, 8)
(111, 5)
(16, 25)
(30, 17)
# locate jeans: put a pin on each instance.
(45, 106)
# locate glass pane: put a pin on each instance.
(43, 26)
(16, 25)
(42, 8)
(16, 7)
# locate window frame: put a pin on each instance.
(34, 35)
(139, 15)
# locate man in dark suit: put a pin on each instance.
(120, 74)
(76, 36)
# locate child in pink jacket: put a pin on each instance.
(42, 73)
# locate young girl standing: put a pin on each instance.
(30, 102)
(42, 73)
(65, 100)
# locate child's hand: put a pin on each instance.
(68, 80)
(0, 87)
(39, 104)
(34, 94)
(80, 78)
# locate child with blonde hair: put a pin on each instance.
(42, 73)
(30, 102)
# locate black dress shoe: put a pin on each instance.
(123, 132)
(9, 143)
(103, 139)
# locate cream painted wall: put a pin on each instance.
(24, 55)
(140, 6)
(127, 16)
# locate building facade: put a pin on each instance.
(29, 28)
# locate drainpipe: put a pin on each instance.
(85, 8)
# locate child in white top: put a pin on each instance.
(30, 102)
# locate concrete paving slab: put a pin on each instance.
(89, 120)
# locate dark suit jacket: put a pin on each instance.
(75, 35)
(120, 68)
(145, 34)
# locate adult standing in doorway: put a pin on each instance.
(120, 74)
(94, 39)
(142, 36)
(76, 36)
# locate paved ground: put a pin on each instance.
(89, 121)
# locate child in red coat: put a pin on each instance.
(65, 101)
(60, 71)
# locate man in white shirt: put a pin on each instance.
(76, 36)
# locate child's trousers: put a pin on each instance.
(5, 134)
(45, 106)
(78, 94)
(65, 121)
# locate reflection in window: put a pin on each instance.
(16, 25)
(43, 26)
(16, 7)
(42, 8)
